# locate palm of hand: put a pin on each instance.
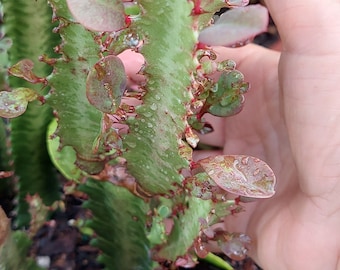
(292, 230)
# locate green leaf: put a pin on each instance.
(217, 261)
(119, 220)
(106, 83)
(64, 159)
(98, 15)
(14, 103)
(228, 99)
(241, 175)
(157, 234)
(132, 8)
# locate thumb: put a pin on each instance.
(309, 84)
(305, 26)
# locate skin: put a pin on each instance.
(291, 120)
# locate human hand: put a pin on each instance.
(291, 120)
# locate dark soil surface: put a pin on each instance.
(67, 249)
(63, 243)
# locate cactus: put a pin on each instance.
(28, 132)
(14, 247)
(125, 244)
(146, 212)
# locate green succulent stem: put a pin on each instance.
(13, 252)
(79, 123)
(152, 145)
(217, 261)
(119, 222)
(28, 132)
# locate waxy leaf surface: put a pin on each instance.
(236, 26)
(242, 175)
(98, 15)
(228, 98)
(14, 103)
(64, 159)
(23, 69)
(106, 83)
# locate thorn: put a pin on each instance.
(128, 20)
(42, 99)
(45, 59)
(201, 46)
(197, 10)
(193, 165)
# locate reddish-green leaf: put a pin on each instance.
(98, 15)
(14, 103)
(242, 175)
(106, 83)
(23, 69)
(228, 98)
(236, 26)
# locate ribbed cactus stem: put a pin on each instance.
(28, 132)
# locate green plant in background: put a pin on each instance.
(129, 150)
(32, 167)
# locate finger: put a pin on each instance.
(311, 98)
(200, 154)
(302, 24)
(133, 63)
(246, 57)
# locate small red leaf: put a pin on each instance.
(5, 174)
(98, 15)
(242, 175)
(23, 69)
(106, 83)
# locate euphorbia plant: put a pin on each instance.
(130, 150)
